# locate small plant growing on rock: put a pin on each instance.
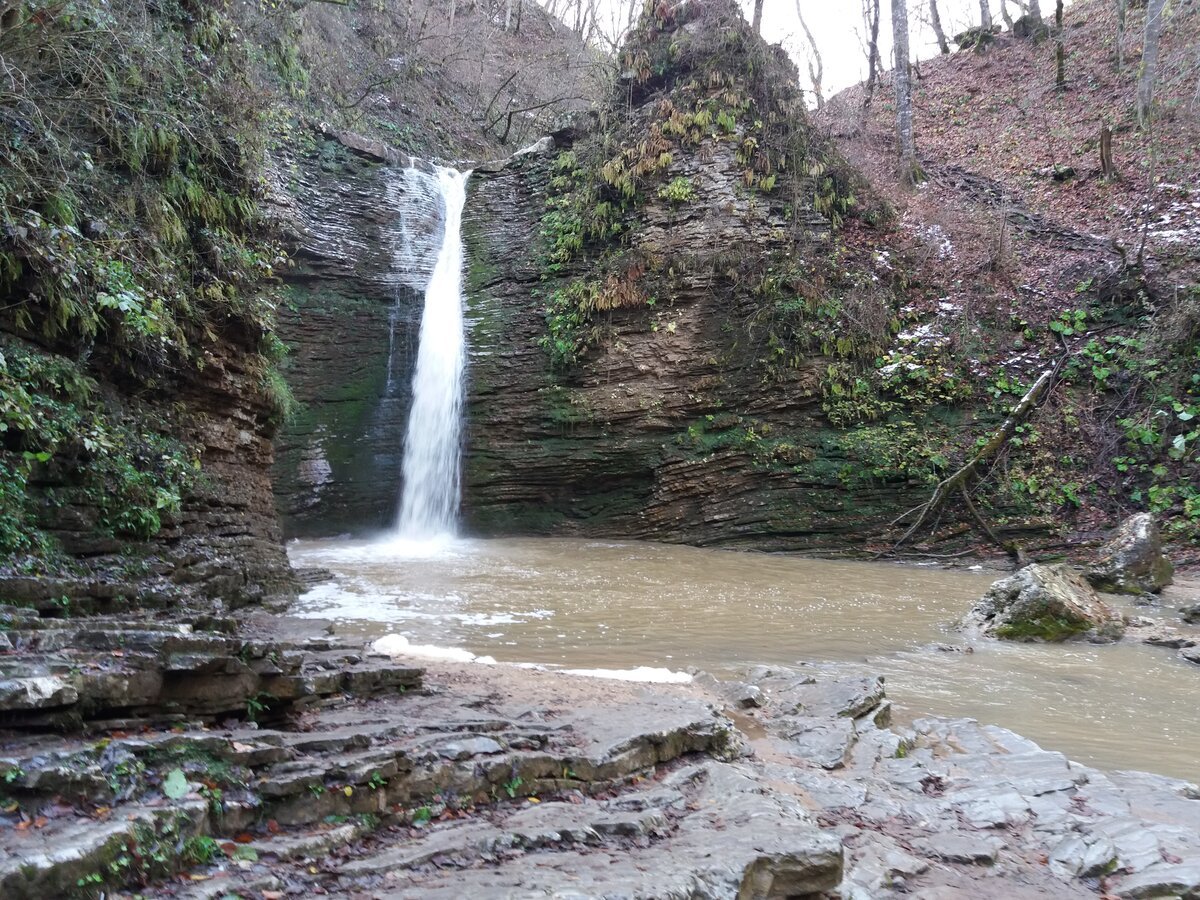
(200, 850)
(513, 785)
(678, 190)
(257, 705)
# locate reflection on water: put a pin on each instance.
(588, 604)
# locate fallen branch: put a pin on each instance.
(958, 482)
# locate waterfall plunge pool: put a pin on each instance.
(621, 605)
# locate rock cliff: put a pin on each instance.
(667, 313)
(138, 398)
(692, 320)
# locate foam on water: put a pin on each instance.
(649, 674)
(399, 645)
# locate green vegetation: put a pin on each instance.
(154, 852)
(725, 107)
(421, 815)
(513, 785)
(200, 850)
(120, 461)
(1042, 628)
(678, 190)
(1150, 380)
(131, 245)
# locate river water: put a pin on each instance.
(620, 605)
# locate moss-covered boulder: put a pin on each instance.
(1044, 603)
(1133, 561)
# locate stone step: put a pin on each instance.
(95, 670)
(703, 830)
(223, 885)
(391, 759)
(311, 845)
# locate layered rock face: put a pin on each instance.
(228, 542)
(656, 326)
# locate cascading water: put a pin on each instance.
(432, 445)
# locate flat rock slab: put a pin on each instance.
(500, 781)
(961, 848)
(726, 839)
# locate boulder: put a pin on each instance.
(1029, 27)
(1191, 614)
(1044, 603)
(1132, 562)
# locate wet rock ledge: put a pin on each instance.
(179, 760)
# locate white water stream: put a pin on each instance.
(432, 444)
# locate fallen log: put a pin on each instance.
(959, 481)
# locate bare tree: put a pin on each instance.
(1004, 16)
(757, 23)
(985, 16)
(816, 69)
(1196, 96)
(1035, 14)
(1107, 168)
(910, 169)
(1122, 15)
(1145, 90)
(1060, 50)
(936, 21)
(871, 19)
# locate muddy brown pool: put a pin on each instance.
(619, 605)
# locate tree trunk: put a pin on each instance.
(936, 21)
(985, 15)
(871, 17)
(1145, 89)
(1060, 50)
(757, 23)
(910, 169)
(452, 7)
(1107, 169)
(1122, 15)
(1196, 96)
(508, 15)
(816, 68)
(1004, 16)
(1035, 13)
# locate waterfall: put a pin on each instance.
(432, 444)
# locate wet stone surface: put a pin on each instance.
(368, 777)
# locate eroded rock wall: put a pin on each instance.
(667, 430)
(350, 321)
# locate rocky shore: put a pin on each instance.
(177, 760)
